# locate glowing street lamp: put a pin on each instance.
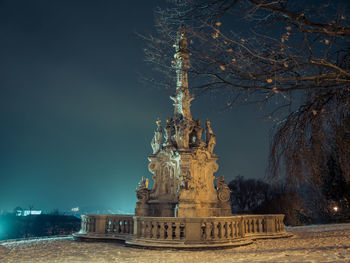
(335, 208)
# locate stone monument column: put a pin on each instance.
(183, 165)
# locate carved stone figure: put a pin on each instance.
(142, 190)
(196, 135)
(210, 137)
(167, 135)
(157, 140)
(183, 130)
(143, 183)
(186, 178)
(222, 189)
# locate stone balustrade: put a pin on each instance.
(181, 232)
(160, 228)
(106, 226)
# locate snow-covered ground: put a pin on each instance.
(317, 243)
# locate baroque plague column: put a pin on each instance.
(182, 164)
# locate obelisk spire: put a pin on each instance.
(182, 98)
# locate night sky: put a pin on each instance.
(76, 121)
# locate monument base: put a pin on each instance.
(156, 208)
(203, 209)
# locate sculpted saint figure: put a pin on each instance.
(157, 138)
(167, 136)
(210, 137)
(183, 130)
(196, 135)
(143, 184)
(142, 192)
(222, 189)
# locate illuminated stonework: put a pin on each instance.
(183, 209)
(182, 164)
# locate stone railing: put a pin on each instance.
(256, 225)
(165, 231)
(208, 230)
(160, 228)
(106, 225)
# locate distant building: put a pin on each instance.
(28, 212)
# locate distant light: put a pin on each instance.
(31, 212)
(75, 209)
(28, 212)
(335, 209)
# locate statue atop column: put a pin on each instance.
(209, 137)
(182, 98)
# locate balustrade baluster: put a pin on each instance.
(166, 230)
(257, 225)
(182, 231)
(157, 229)
(220, 230)
(111, 227)
(146, 230)
(162, 230)
(107, 225)
(118, 227)
(206, 231)
(237, 229)
(177, 231)
(214, 230)
(127, 227)
(124, 225)
(225, 230)
(263, 225)
(152, 230)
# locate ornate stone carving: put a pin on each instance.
(202, 158)
(210, 137)
(182, 134)
(196, 135)
(168, 131)
(143, 183)
(142, 190)
(183, 165)
(185, 178)
(222, 189)
(157, 140)
(182, 99)
(143, 195)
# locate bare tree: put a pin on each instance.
(288, 57)
(248, 194)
